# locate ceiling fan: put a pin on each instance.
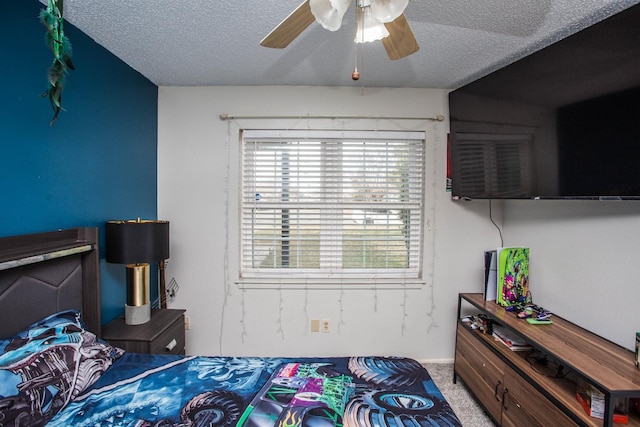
(376, 20)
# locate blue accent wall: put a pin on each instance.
(96, 163)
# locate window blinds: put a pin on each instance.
(332, 204)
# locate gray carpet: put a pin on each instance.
(465, 406)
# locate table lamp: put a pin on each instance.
(136, 243)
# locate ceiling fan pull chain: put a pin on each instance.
(356, 74)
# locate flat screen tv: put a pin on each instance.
(563, 122)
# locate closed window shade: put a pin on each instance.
(331, 205)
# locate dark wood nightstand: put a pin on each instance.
(163, 334)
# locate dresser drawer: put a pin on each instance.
(525, 406)
(163, 334)
(171, 341)
(481, 370)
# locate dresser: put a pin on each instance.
(539, 387)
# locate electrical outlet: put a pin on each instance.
(187, 323)
(315, 325)
(325, 325)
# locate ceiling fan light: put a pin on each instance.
(369, 29)
(329, 13)
(387, 10)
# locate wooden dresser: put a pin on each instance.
(538, 387)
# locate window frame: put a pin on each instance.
(305, 277)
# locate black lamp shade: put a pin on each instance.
(137, 241)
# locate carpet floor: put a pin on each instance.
(469, 412)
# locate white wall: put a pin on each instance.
(198, 190)
(585, 261)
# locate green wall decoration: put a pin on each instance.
(52, 19)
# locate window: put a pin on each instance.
(331, 206)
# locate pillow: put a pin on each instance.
(45, 366)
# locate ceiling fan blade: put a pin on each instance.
(401, 42)
(290, 28)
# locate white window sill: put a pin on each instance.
(351, 284)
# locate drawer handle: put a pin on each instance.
(172, 345)
(495, 391)
(504, 399)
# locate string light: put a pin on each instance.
(243, 323)
(227, 283)
(430, 226)
(341, 305)
(403, 328)
(279, 322)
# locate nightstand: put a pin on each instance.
(163, 334)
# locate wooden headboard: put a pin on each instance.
(43, 273)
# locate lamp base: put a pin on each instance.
(137, 314)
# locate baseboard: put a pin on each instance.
(439, 361)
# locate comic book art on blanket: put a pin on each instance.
(57, 373)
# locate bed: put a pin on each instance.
(56, 371)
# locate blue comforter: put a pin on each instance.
(160, 390)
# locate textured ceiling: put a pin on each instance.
(209, 42)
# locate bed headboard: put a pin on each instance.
(43, 273)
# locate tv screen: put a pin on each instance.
(563, 122)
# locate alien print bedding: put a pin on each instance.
(58, 374)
